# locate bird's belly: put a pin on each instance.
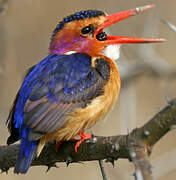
(84, 118)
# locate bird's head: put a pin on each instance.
(83, 32)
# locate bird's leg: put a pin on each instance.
(83, 137)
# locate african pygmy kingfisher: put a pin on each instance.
(73, 87)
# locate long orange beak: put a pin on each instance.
(114, 18)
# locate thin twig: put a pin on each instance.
(102, 169)
(170, 25)
(139, 156)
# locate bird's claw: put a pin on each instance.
(83, 137)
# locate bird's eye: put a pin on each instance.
(87, 30)
(101, 36)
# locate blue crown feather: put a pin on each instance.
(77, 16)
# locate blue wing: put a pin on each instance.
(57, 85)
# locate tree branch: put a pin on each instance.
(110, 148)
(139, 156)
(102, 170)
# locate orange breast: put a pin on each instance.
(82, 119)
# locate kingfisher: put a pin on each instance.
(72, 88)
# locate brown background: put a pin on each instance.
(25, 31)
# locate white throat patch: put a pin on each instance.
(70, 52)
(112, 51)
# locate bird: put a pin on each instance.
(73, 87)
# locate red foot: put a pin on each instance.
(57, 145)
(84, 137)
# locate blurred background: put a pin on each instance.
(147, 71)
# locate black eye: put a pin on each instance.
(87, 30)
(101, 36)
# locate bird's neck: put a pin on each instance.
(110, 51)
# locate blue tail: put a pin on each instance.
(27, 154)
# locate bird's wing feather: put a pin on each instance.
(10, 120)
(55, 88)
